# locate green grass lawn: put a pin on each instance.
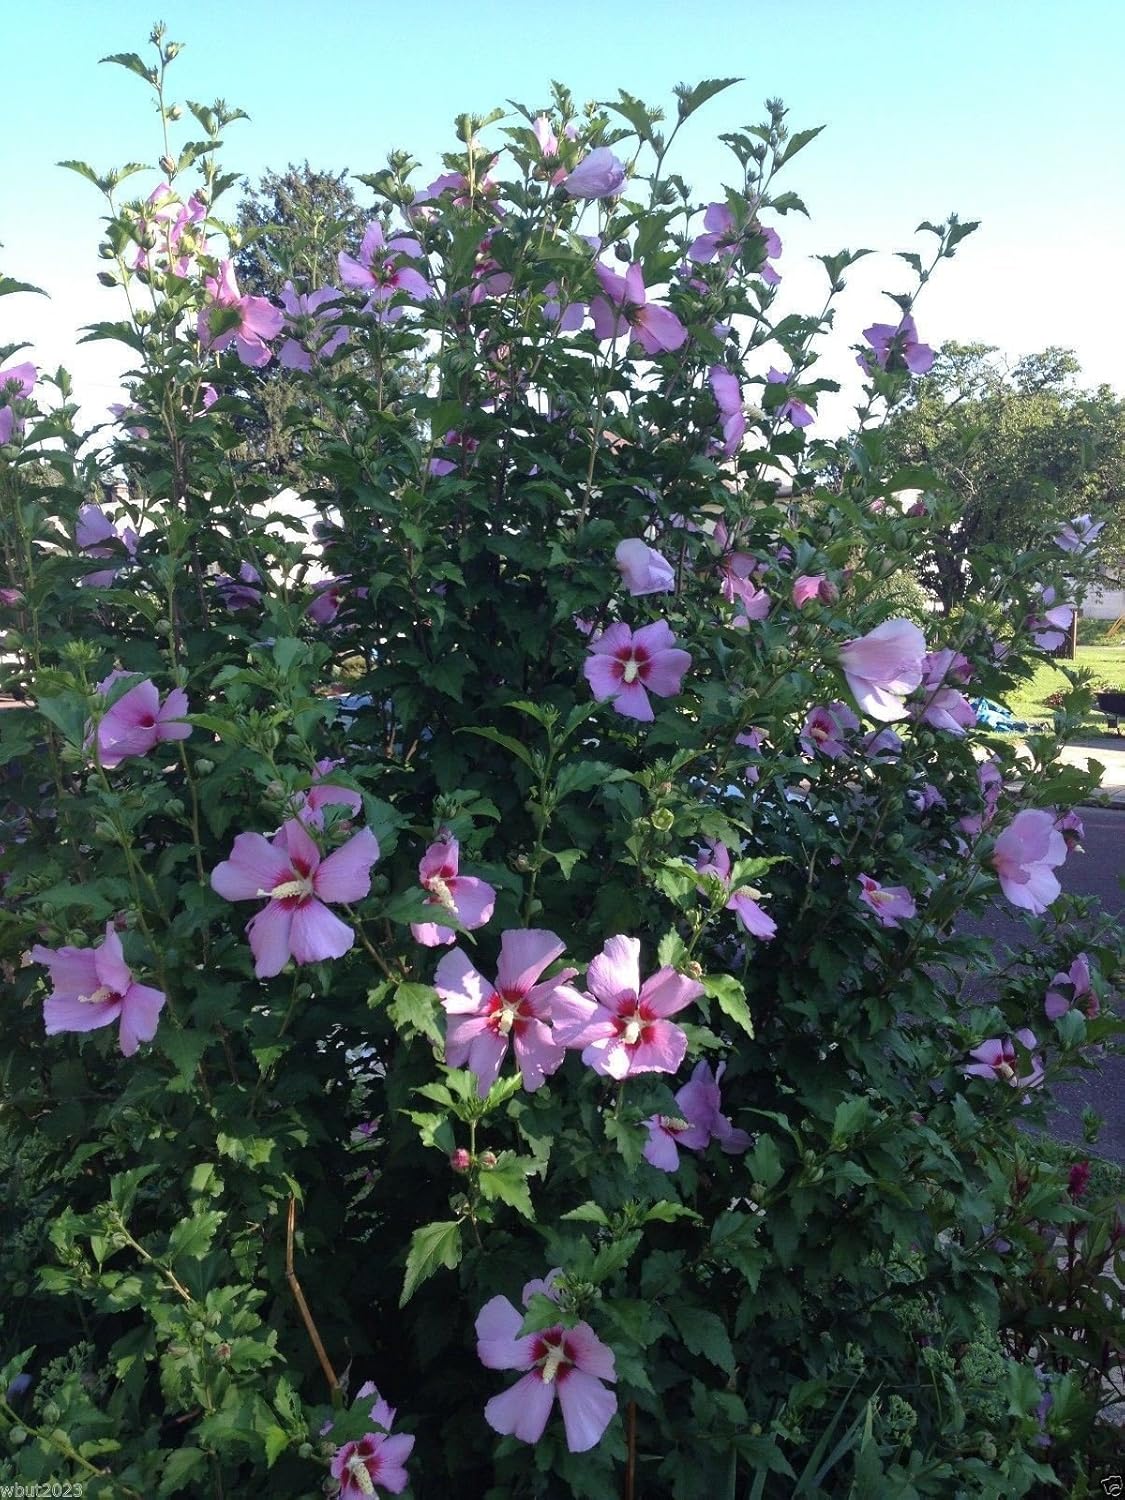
(1029, 700)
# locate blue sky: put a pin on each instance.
(1002, 110)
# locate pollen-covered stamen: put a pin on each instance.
(632, 669)
(439, 891)
(1006, 1071)
(555, 1358)
(357, 1469)
(99, 996)
(299, 888)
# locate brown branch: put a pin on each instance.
(303, 1306)
(631, 1456)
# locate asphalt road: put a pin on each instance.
(1098, 873)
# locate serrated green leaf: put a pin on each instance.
(431, 1247)
(703, 1333)
(730, 996)
(192, 1238)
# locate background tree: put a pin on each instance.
(1022, 446)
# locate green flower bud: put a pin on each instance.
(662, 819)
(17, 1436)
(204, 767)
(51, 1413)
(306, 1450)
(197, 1329)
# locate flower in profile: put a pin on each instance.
(1077, 980)
(230, 318)
(571, 1363)
(991, 784)
(806, 588)
(732, 414)
(826, 728)
(93, 987)
(793, 411)
(470, 900)
(724, 239)
(1049, 627)
(892, 904)
(884, 665)
(1079, 534)
(329, 595)
(127, 416)
(309, 806)
(137, 722)
(996, 1059)
(882, 746)
(1025, 856)
(547, 140)
(97, 536)
(896, 346)
(1073, 830)
(598, 175)
(484, 1018)
(310, 320)
(743, 901)
(243, 592)
(643, 569)
(624, 1027)
(626, 665)
(625, 308)
(380, 270)
(16, 384)
(700, 1121)
(296, 882)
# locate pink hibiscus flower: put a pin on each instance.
(643, 569)
(622, 664)
(290, 872)
(892, 904)
(94, 987)
(715, 860)
(598, 175)
(138, 721)
(309, 806)
(16, 384)
(376, 1459)
(485, 1018)
(732, 414)
(825, 730)
(699, 1122)
(470, 900)
(379, 269)
(625, 308)
(884, 665)
(1077, 980)
(571, 1363)
(996, 1060)
(1025, 857)
(230, 318)
(624, 1027)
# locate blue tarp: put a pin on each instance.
(995, 716)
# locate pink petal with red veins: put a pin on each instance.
(462, 988)
(665, 673)
(445, 854)
(499, 1345)
(268, 933)
(616, 970)
(74, 971)
(140, 1016)
(473, 900)
(667, 992)
(538, 1054)
(653, 638)
(524, 954)
(487, 1051)
(254, 866)
(523, 1410)
(109, 961)
(663, 1052)
(604, 674)
(62, 1013)
(459, 1037)
(589, 1353)
(577, 1021)
(632, 702)
(316, 933)
(587, 1408)
(346, 874)
(429, 935)
(614, 638)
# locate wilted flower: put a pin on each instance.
(94, 987)
(242, 592)
(309, 806)
(296, 882)
(1079, 534)
(743, 901)
(1049, 628)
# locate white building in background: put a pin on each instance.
(1104, 604)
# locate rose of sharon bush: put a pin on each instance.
(564, 650)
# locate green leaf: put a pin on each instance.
(8, 287)
(432, 1246)
(852, 1116)
(703, 1333)
(83, 169)
(689, 99)
(192, 1238)
(414, 1010)
(566, 860)
(179, 1468)
(666, 1212)
(731, 999)
(124, 1186)
(588, 1213)
(276, 1440)
(506, 1182)
(521, 752)
(133, 63)
(797, 143)
(764, 1162)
